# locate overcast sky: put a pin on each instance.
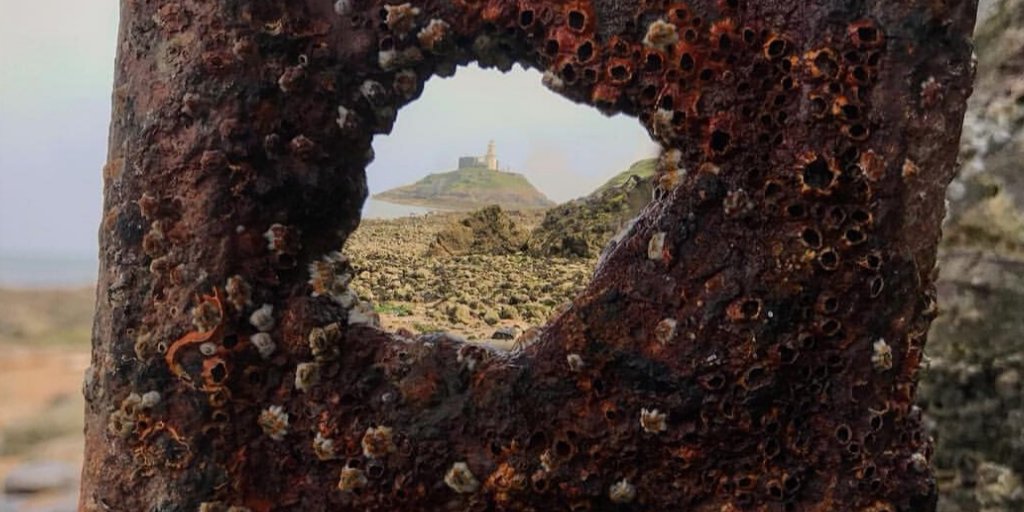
(57, 56)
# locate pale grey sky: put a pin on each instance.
(57, 60)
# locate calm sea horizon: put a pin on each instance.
(62, 271)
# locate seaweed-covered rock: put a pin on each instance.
(582, 227)
(993, 136)
(972, 389)
(972, 392)
(489, 230)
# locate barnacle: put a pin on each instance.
(274, 422)
(918, 462)
(345, 117)
(307, 375)
(278, 237)
(460, 479)
(149, 399)
(330, 276)
(263, 318)
(552, 81)
(401, 18)
(547, 460)
(406, 83)
(656, 247)
(390, 60)
(324, 342)
(121, 424)
(351, 479)
(432, 35)
(665, 331)
(239, 293)
(622, 492)
(881, 355)
(378, 442)
(324, 447)
(264, 344)
(661, 34)
(343, 7)
(652, 421)
(575, 362)
(206, 315)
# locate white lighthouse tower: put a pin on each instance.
(491, 159)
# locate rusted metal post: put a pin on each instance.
(751, 344)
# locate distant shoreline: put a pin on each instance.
(448, 206)
(45, 272)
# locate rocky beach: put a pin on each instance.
(480, 294)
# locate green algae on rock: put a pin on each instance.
(582, 228)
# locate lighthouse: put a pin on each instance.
(491, 159)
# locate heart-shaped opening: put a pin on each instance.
(489, 245)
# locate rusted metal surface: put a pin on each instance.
(751, 344)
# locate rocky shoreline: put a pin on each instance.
(414, 286)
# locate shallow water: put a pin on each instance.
(376, 209)
(46, 271)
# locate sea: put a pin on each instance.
(58, 271)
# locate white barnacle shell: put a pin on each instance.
(263, 318)
(460, 479)
(652, 421)
(552, 81)
(661, 34)
(150, 399)
(343, 7)
(881, 356)
(264, 344)
(575, 362)
(323, 447)
(433, 34)
(351, 479)
(665, 330)
(656, 247)
(274, 422)
(343, 117)
(307, 375)
(622, 492)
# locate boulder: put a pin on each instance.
(488, 231)
(583, 227)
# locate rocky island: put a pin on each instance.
(478, 182)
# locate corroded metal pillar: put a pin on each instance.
(752, 343)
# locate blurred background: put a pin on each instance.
(57, 59)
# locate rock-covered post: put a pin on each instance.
(751, 343)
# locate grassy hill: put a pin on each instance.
(470, 188)
(641, 169)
